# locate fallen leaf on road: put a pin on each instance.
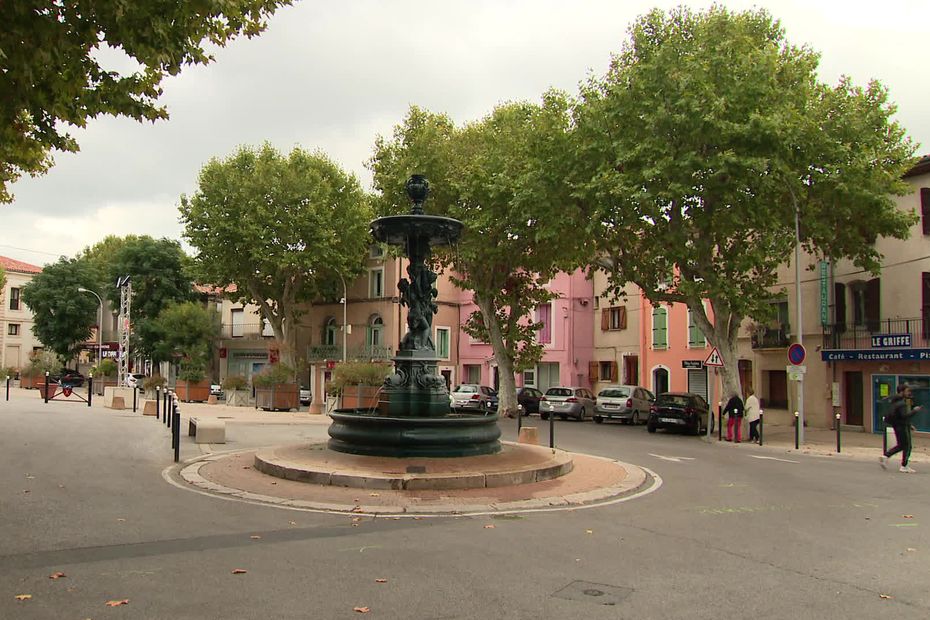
(293, 522)
(30, 477)
(911, 549)
(25, 490)
(61, 486)
(380, 580)
(23, 597)
(907, 516)
(57, 575)
(246, 467)
(884, 596)
(255, 537)
(361, 610)
(490, 527)
(356, 519)
(589, 531)
(239, 571)
(374, 495)
(120, 519)
(125, 601)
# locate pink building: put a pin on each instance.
(567, 337)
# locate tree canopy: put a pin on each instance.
(63, 316)
(705, 137)
(184, 331)
(281, 229)
(54, 74)
(503, 177)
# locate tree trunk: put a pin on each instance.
(282, 320)
(507, 394)
(722, 334)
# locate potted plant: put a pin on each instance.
(192, 384)
(236, 388)
(104, 375)
(359, 383)
(275, 388)
(150, 383)
(33, 375)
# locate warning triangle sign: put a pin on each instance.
(714, 358)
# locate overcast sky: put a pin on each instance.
(334, 75)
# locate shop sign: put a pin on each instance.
(868, 355)
(249, 355)
(887, 341)
(692, 364)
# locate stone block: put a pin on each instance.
(211, 399)
(529, 435)
(208, 430)
(117, 402)
(150, 407)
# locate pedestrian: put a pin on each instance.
(900, 420)
(752, 414)
(734, 411)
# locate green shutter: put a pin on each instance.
(659, 328)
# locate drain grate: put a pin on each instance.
(596, 593)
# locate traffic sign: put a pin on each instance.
(714, 358)
(796, 354)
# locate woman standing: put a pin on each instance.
(752, 414)
(734, 411)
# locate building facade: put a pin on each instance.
(17, 342)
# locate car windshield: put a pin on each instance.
(674, 400)
(614, 393)
(558, 392)
(468, 389)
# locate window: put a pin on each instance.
(659, 328)
(696, 338)
(472, 373)
(443, 337)
(238, 322)
(14, 299)
(529, 377)
(544, 316)
(376, 251)
(925, 209)
(13, 329)
(329, 332)
(608, 371)
(613, 318)
(866, 303)
(375, 331)
(376, 283)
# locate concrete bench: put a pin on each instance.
(207, 430)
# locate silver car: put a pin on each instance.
(473, 397)
(577, 402)
(627, 403)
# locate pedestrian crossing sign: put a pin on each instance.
(714, 358)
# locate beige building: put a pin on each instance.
(618, 342)
(17, 342)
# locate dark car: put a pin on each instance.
(528, 398)
(70, 377)
(678, 410)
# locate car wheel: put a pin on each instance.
(582, 415)
(598, 419)
(544, 416)
(635, 419)
(696, 430)
(713, 423)
(650, 427)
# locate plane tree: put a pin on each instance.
(701, 144)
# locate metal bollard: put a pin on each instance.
(837, 433)
(884, 436)
(46, 387)
(552, 430)
(519, 421)
(176, 433)
(171, 407)
(158, 402)
(797, 430)
(761, 426)
(719, 421)
(164, 405)
(90, 388)
(8, 387)
(135, 391)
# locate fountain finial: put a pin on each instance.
(417, 189)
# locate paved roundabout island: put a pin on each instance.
(519, 478)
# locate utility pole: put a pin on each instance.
(799, 312)
(125, 303)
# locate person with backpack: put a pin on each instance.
(734, 411)
(899, 418)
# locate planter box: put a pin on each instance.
(239, 398)
(52, 386)
(360, 396)
(192, 392)
(30, 383)
(280, 397)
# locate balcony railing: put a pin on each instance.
(771, 337)
(320, 352)
(844, 336)
(248, 331)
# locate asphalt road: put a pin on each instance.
(726, 536)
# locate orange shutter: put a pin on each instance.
(605, 319)
(622, 317)
(592, 372)
(614, 372)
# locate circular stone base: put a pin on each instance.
(515, 464)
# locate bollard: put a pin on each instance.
(90, 388)
(719, 421)
(134, 392)
(552, 430)
(8, 387)
(171, 407)
(164, 410)
(797, 430)
(158, 403)
(837, 433)
(761, 426)
(46, 387)
(176, 432)
(519, 420)
(884, 436)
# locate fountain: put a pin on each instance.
(413, 417)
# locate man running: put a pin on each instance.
(900, 420)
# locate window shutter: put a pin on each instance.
(873, 296)
(659, 329)
(614, 372)
(605, 319)
(622, 317)
(839, 307)
(592, 372)
(925, 209)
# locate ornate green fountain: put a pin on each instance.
(413, 417)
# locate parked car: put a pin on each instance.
(528, 398)
(135, 379)
(305, 395)
(627, 403)
(679, 410)
(577, 402)
(216, 389)
(69, 377)
(473, 397)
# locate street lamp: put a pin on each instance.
(99, 322)
(345, 327)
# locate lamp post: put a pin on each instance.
(345, 326)
(799, 313)
(99, 321)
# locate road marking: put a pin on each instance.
(771, 458)
(674, 459)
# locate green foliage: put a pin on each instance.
(106, 368)
(41, 362)
(2, 277)
(7, 372)
(697, 147)
(51, 74)
(282, 229)
(150, 383)
(235, 382)
(273, 374)
(193, 369)
(184, 330)
(359, 373)
(63, 316)
(504, 178)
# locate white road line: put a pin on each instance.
(674, 459)
(771, 458)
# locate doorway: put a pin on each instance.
(853, 398)
(745, 375)
(660, 381)
(778, 389)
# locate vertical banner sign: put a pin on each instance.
(824, 293)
